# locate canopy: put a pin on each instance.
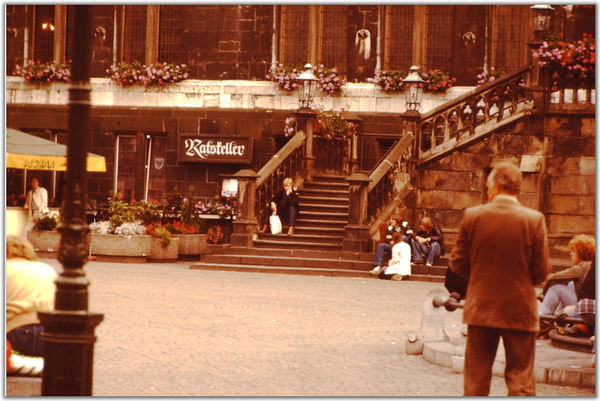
(29, 152)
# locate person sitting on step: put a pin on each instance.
(399, 264)
(285, 204)
(429, 242)
(384, 249)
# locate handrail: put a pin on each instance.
(390, 159)
(287, 162)
(275, 161)
(476, 91)
(473, 115)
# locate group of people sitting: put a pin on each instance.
(570, 291)
(403, 247)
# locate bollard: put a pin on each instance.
(432, 324)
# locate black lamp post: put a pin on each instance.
(413, 91)
(69, 329)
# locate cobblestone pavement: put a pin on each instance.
(172, 331)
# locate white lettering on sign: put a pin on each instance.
(197, 147)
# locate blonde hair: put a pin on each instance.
(288, 181)
(584, 246)
(19, 247)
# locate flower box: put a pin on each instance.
(126, 248)
(44, 241)
(161, 253)
(191, 245)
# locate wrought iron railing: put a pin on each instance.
(331, 155)
(471, 115)
(285, 163)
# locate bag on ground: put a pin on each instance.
(275, 223)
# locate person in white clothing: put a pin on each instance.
(399, 264)
(36, 202)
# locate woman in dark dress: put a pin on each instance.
(285, 204)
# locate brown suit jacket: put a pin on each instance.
(502, 249)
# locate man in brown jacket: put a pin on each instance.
(502, 249)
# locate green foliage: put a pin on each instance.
(333, 124)
(47, 223)
(162, 233)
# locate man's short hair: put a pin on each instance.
(507, 176)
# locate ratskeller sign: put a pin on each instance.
(215, 149)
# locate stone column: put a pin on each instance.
(305, 118)
(356, 238)
(244, 226)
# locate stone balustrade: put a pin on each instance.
(355, 97)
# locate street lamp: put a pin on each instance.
(308, 85)
(542, 14)
(413, 90)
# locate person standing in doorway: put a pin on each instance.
(502, 249)
(36, 202)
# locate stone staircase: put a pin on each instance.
(316, 246)
(321, 221)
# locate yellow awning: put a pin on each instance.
(29, 152)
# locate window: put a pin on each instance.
(334, 37)
(137, 153)
(294, 35)
(170, 35)
(156, 175)
(134, 45)
(314, 34)
(439, 37)
(125, 166)
(509, 31)
(399, 38)
(43, 31)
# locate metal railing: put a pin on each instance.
(331, 155)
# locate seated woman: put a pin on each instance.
(285, 204)
(561, 288)
(29, 289)
(399, 264)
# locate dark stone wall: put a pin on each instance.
(564, 190)
(264, 126)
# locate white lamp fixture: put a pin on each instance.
(413, 90)
(542, 15)
(308, 85)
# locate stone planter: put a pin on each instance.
(123, 248)
(161, 253)
(44, 241)
(191, 246)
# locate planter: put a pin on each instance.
(44, 241)
(125, 248)
(191, 245)
(159, 252)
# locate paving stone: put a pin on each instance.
(169, 330)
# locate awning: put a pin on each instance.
(29, 152)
